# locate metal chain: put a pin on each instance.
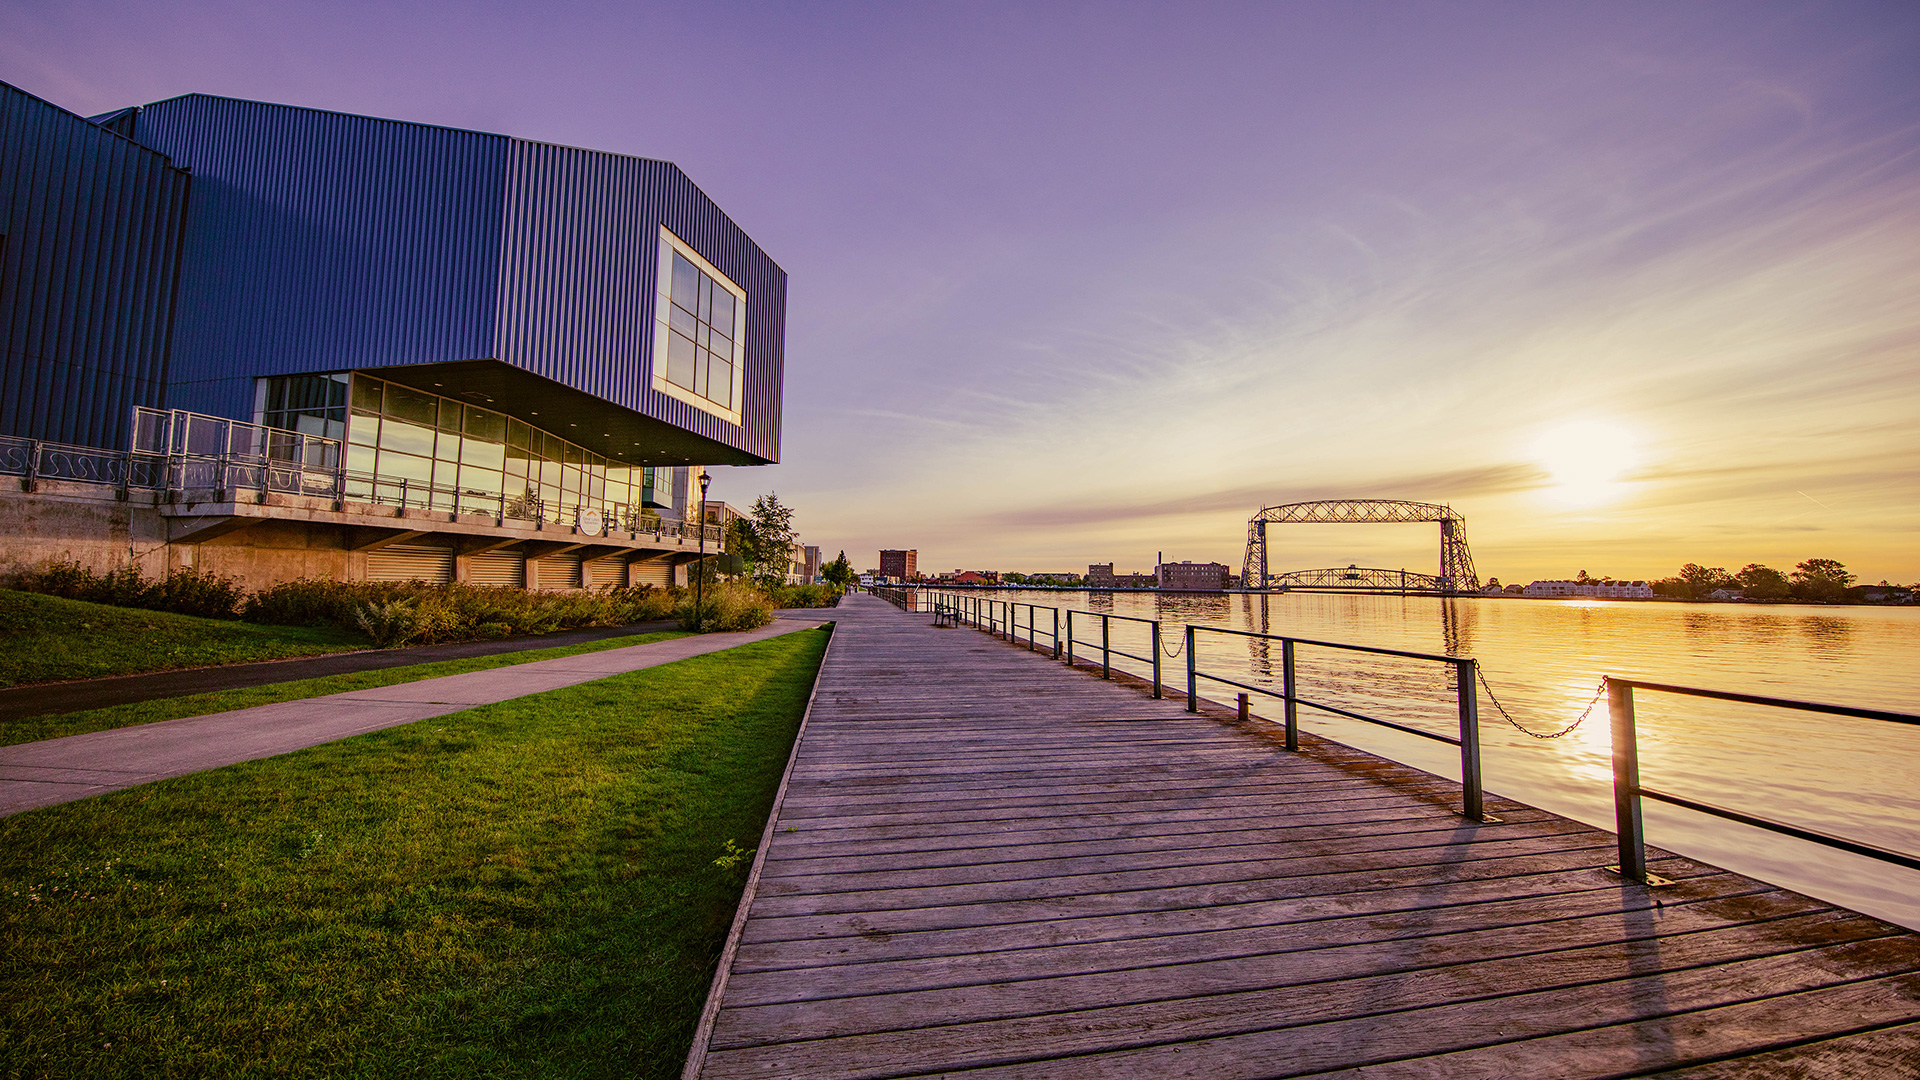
(1568, 730)
(1175, 654)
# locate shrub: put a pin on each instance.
(386, 625)
(182, 591)
(805, 596)
(191, 592)
(726, 606)
(397, 612)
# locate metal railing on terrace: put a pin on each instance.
(178, 452)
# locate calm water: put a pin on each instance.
(1543, 660)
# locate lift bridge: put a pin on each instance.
(1456, 561)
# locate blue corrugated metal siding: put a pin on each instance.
(322, 241)
(92, 228)
(578, 274)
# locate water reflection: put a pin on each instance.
(1826, 637)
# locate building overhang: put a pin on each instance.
(594, 422)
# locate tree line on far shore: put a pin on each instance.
(1820, 581)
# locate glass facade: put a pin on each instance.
(412, 448)
(702, 337)
(310, 404)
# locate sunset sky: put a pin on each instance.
(1628, 285)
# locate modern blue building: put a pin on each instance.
(393, 319)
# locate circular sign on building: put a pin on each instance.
(590, 523)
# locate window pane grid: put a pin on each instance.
(702, 323)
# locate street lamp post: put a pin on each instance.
(699, 568)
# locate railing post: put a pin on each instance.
(1069, 637)
(1471, 795)
(1193, 701)
(1106, 650)
(1157, 692)
(1056, 631)
(1291, 693)
(1626, 783)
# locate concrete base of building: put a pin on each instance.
(275, 538)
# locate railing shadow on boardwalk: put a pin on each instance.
(985, 863)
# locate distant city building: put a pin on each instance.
(1186, 576)
(899, 565)
(1101, 576)
(973, 577)
(1608, 590)
(809, 564)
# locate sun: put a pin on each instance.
(1585, 461)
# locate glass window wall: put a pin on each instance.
(412, 448)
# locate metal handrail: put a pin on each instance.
(996, 616)
(1107, 651)
(1033, 633)
(1628, 791)
(1473, 799)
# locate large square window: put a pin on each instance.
(699, 346)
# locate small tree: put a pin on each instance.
(741, 543)
(1823, 581)
(1762, 582)
(1702, 580)
(772, 539)
(838, 572)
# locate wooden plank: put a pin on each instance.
(1621, 1019)
(1889, 1053)
(1324, 921)
(1019, 982)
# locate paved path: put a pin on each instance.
(62, 770)
(47, 699)
(983, 864)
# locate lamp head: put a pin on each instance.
(704, 481)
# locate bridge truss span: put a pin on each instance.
(1456, 560)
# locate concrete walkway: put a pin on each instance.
(55, 771)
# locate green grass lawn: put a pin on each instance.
(46, 639)
(525, 889)
(33, 729)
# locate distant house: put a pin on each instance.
(1727, 594)
(1607, 589)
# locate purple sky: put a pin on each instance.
(1627, 284)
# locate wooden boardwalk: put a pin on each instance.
(986, 864)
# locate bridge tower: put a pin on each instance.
(1253, 568)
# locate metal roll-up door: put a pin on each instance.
(605, 572)
(498, 568)
(650, 573)
(560, 571)
(410, 562)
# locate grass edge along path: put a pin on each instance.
(52, 639)
(56, 725)
(539, 887)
